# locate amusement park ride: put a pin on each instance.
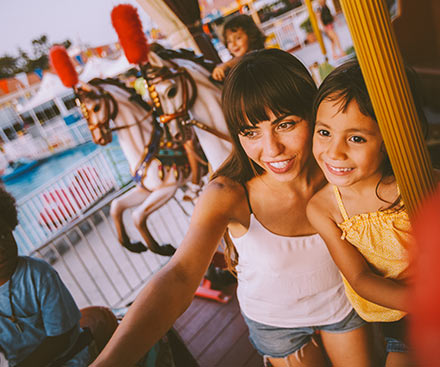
(183, 103)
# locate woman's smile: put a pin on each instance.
(280, 166)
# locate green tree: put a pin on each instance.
(40, 46)
(39, 59)
(8, 66)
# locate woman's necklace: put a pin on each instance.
(12, 318)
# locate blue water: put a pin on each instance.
(49, 168)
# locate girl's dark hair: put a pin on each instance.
(345, 84)
(262, 81)
(246, 23)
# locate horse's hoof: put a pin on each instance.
(166, 250)
(136, 247)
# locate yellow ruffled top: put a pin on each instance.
(383, 238)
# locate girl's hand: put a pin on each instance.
(219, 72)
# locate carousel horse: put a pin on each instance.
(159, 137)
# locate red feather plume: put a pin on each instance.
(128, 26)
(62, 64)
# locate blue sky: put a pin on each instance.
(85, 20)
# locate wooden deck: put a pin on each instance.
(216, 335)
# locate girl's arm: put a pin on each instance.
(171, 290)
(219, 71)
(374, 288)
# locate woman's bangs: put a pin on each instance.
(259, 103)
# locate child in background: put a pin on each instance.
(327, 21)
(241, 35)
(359, 213)
(39, 320)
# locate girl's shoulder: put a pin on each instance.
(323, 195)
(324, 202)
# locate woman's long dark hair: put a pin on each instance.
(262, 81)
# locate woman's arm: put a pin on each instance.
(171, 290)
(374, 288)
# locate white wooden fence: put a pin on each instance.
(47, 210)
(96, 268)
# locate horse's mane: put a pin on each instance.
(181, 53)
(134, 96)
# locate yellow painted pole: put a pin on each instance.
(381, 64)
(315, 27)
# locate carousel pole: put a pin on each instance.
(315, 27)
(381, 64)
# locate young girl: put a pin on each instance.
(288, 286)
(241, 35)
(359, 213)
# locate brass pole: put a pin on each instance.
(381, 64)
(315, 27)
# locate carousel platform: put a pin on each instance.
(216, 335)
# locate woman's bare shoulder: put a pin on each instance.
(226, 186)
(224, 193)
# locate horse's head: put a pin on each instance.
(98, 107)
(172, 91)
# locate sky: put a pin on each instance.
(88, 21)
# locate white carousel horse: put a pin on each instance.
(158, 146)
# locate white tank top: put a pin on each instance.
(288, 281)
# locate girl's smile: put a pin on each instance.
(347, 144)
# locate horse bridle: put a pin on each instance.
(154, 76)
(108, 102)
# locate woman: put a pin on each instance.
(288, 286)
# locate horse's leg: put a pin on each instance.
(196, 170)
(132, 198)
(192, 160)
(157, 199)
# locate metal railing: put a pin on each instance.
(68, 196)
(284, 31)
(96, 268)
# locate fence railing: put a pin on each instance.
(284, 31)
(68, 196)
(96, 268)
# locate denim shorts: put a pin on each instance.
(394, 333)
(277, 342)
(395, 346)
